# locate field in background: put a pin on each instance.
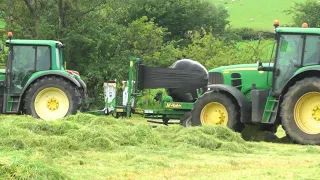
(263, 12)
(90, 147)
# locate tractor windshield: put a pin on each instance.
(288, 59)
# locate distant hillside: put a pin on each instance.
(262, 12)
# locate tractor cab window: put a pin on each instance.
(23, 57)
(312, 51)
(58, 58)
(23, 63)
(26, 60)
(43, 58)
(288, 59)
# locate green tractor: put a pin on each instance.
(35, 82)
(285, 92)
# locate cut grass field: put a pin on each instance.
(91, 147)
(263, 12)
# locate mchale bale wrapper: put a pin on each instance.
(183, 82)
(285, 91)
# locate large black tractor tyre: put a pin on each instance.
(216, 108)
(300, 111)
(51, 98)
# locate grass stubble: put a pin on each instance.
(95, 147)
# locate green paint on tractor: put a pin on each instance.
(287, 30)
(35, 82)
(242, 76)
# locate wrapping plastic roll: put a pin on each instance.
(183, 77)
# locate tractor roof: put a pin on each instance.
(298, 30)
(33, 42)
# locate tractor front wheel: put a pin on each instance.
(51, 98)
(300, 112)
(214, 108)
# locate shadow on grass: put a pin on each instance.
(252, 133)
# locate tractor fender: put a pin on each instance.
(298, 76)
(82, 84)
(243, 102)
(51, 73)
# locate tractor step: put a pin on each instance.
(160, 121)
(12, 104)
(274, 100)
(271, 111)
(12, 112)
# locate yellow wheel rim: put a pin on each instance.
(51, 104)
(214, 114)
(307, 113)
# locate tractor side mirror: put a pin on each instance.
(259, 63)
(260, 67)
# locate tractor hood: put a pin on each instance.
(242, 77)
(239, 67)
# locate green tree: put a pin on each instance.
(306, 12)
(179, 16)
(212, 52)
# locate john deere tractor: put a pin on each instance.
(35, 82)
(286, 91)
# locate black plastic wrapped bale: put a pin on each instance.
(197, 77)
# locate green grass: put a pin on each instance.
(263, 12)
(91, 147)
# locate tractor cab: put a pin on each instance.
(295, 95)
(296, 48)
(27, 57)
(30, 67)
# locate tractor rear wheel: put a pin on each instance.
(300, 111)
(214, 108)
(51, 98)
